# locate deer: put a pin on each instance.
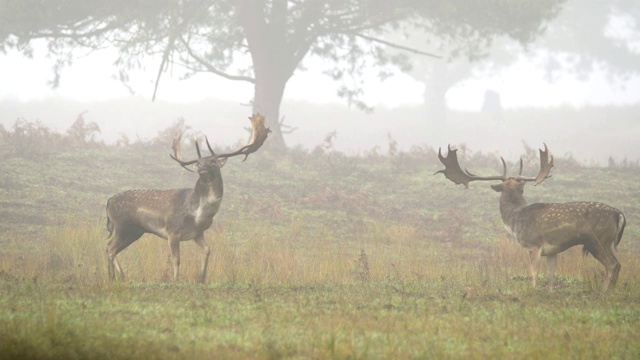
(547, 229)
(175, 215)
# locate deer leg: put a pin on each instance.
(110, 266)
(552, 260)
(174, 247)
(113, 265)
(534, 264)
(120, 241)
(612, 277)
(118, 267)
(611, 265)
(111, 258)
(202, 274)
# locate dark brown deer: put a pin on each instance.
(548, 229)
(175, 214)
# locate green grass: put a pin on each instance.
(380, 319)
(315, 255)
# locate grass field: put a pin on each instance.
(315, 255)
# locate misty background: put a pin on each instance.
(571, 81)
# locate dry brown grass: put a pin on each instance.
(74, 252)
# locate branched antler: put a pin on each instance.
(177, 141)
(546, 163)
(259, 135)
(454, 172)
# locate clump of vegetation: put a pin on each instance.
(82, 132)
(361, 270)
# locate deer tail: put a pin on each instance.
(622, 222)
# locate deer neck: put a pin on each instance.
(207, 194)
(510, 205)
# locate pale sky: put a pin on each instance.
(91, 78)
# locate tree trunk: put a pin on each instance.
(436, 87)
(273, 59)
(267, 99)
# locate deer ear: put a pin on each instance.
(497, 188)
(221, 162)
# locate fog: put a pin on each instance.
(591, 115)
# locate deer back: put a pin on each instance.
(563, 225)
(149, 210)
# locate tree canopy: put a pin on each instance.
(585, 38)
(264, 42)
(606, 35)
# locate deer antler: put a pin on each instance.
(454, 172)
(546, 163)
(177, 141)
(259, 135)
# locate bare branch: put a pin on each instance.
(161, 68)
(212, 69)
(289, 128)
(396, 46)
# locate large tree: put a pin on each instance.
(263, 42)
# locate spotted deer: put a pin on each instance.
(175, 214)
(547, 229)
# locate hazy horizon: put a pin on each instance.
(591, 135)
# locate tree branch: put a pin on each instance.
(399, 47)
(165, 58)
(212, 69)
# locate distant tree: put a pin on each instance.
(593, 35)
(262, 42)
(586, 36)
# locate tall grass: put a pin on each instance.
(289, 294)
(73, 252)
